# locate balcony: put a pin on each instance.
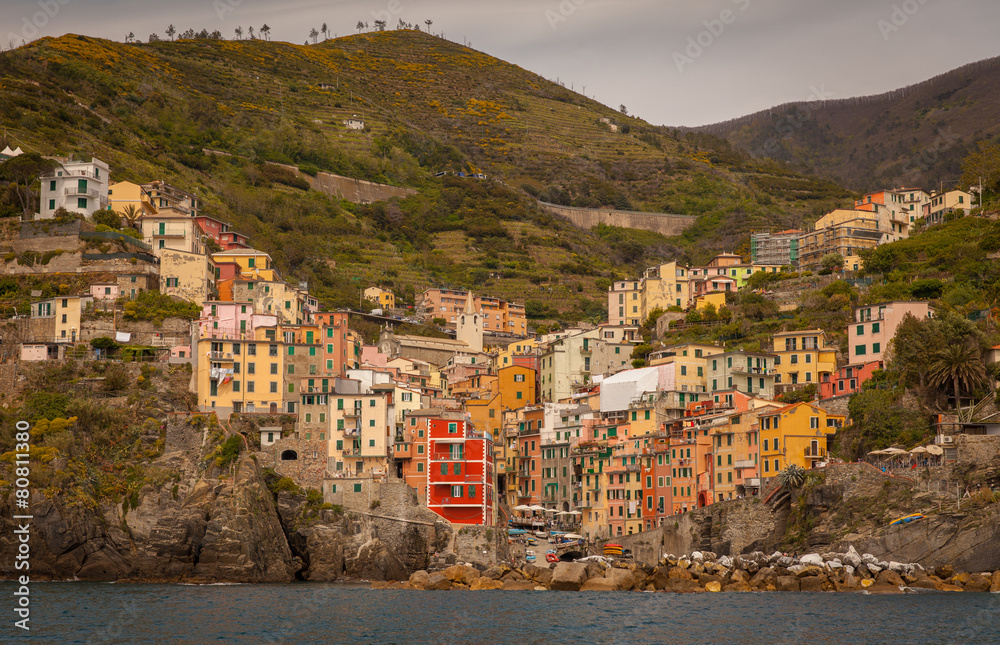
(356, 412)
(170, 232)
(815, 452)
(75, 191)
(752, 482)
(221, 356)
(744, 463)
(446, 457)
(760, 371)
(448, 480)
(633, 468)
(586, 349)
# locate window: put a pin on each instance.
(875, 328)
(860, 350)
(452, 428)
(876, 348)
(861, 330)
(456, 491)
(813, 422)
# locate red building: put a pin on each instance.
(221, 233)
(847, 380)
(460, 472)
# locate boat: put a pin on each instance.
(906, 519)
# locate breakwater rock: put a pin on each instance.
(704, 572)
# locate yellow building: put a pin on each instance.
(248, 263)
(803, 357)
(664, 286)
(690, 364)
(65, 313)
(505, 355)
(122, 194)
(717, 299)
(795, 434)
(243, 375)
(190, 276)
(361, 432)
(381, 297)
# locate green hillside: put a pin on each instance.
(429, 105)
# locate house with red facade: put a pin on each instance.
(460, 472)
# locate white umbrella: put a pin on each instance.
(550, 510)
(876, 452)
(575, 513)
(522, 507)
(935, 450)
(919, 450)
(564, 513)
(894, 451)
(536, 507)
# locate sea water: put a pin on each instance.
(304, 613)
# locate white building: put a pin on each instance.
(78, 186)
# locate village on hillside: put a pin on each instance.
(566, 431)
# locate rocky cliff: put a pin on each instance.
(848, 505)
(205, 523)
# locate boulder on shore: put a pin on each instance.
(568, 576)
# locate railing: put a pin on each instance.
(815, 452)
(752, 370)
(632, 468)
(220, 356)
(356, 412)
(170, 232)
(744, 463)
(90, 192)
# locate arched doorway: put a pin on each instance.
(289, 455)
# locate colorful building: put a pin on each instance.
(796, 434)
(460, 473)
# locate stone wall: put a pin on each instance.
(861, 479)
(309, 467)
(354, 190)
(836, 404)
(663, 322)
(587, 218)
(483, 545)
(978, 449)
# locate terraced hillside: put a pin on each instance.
(429, 105)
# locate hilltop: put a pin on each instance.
(912, 136)
(429, 106)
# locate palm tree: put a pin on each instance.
(962, 365)
(239, 33)
(131, 215)
(171, 31)
(266, 31)
(792, 477)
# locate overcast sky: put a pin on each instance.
(671, 62)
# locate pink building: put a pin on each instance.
(875, 325)
(104, 291)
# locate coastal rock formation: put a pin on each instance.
(813, 572)
(208, 526)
